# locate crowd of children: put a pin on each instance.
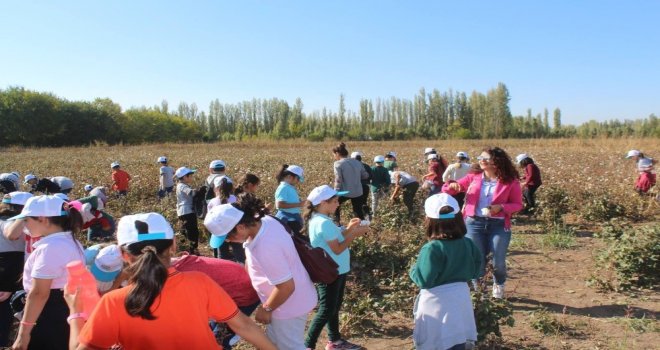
(468, 217)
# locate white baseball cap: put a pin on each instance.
(296, 170)
(436, 202)
(183, 171)
(462, 155)
(356, 154)
(156, 226)
(216, 164)
(521, 157)
(321, 193)
(379, 159)
(88, 187)
(428, 150)
(17, 198)
(220, 220)
(162, 159)
(107, 264)
(29, 177)
(633, 153)
(62, 196)
(391, 153)
(114, 164)
(218, 180)
(64, 182)
(47, 206)
(431, 156)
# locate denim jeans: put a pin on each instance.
(490, 236)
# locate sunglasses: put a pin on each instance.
(483, 159)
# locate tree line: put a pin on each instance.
(32, 118)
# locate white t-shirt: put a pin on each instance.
(166, 177)
(271, 259)
(216, 201)
(49, 259)
(456, 171)
(404, 178)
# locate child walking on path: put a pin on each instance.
(443, 309)
(184, 208)
(321, 204)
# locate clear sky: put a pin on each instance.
(596, 59)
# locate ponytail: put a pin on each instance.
(283, 173)
(252, 207)
(247, 179)
(341, 150)
(148, 274)
(224, 190)
(308, 210)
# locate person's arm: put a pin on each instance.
(353, 231)
(248, 330)
(279, 296)
(426, 268)
(338, 177)
(289, 205)
(513, 203)
(34, 305)
(397, 187)
(445, 175)
(14, 230)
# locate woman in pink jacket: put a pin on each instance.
(492, 196)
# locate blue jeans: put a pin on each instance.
(490, 236)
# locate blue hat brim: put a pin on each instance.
(103, 276)
(342, 193)
(216, 241)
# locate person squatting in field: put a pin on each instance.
(492, 197)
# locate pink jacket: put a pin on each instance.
(509, 195)
(645, 181)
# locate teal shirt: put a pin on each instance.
(390, 165)
(321, 230)
(446, 261)
(287, 193)
(380, 178)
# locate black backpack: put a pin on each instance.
(199, 202)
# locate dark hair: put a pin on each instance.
(283, 173)
(252, 207)
(226, 188)
(504, 168)
(525, 162)
(147, 273)
(9, 210)
(341, 150)
(462, 158)
(358, 158)
(72, 221)
(247, 179)
(453, 228)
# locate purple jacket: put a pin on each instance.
(508, 195)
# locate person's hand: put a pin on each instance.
(263, 316)
(455, 186)
(359, 230)
(495, 208)
(73, 300)
(22, 340)
(269, 206)
(353, 223)
(4, 296)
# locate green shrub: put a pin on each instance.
(553, 202)
(601, 208)
(632, 261)
(560, 236)
(544, 322)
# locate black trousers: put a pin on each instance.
(51, 331)
(190, 230)
(357, 204)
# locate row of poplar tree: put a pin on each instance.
(42, 119)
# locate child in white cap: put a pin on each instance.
(161, 307)
(443, 312)
(224, 188)
(380, 183)
(217, 168)
(45, 274)
(13, 178)
(324, 233)
(185, 209)
(165, 178)
(457, 171)
(120, 179)
(287, 201)
(106, 267)
(12, 257)
(65, 184)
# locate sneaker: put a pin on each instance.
(498, 291)
(342, 344)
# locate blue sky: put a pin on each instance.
(592, 59)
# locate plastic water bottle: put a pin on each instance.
(80, 277)
(366, 221)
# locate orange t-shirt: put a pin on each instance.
(183, 309)
(120, 180)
